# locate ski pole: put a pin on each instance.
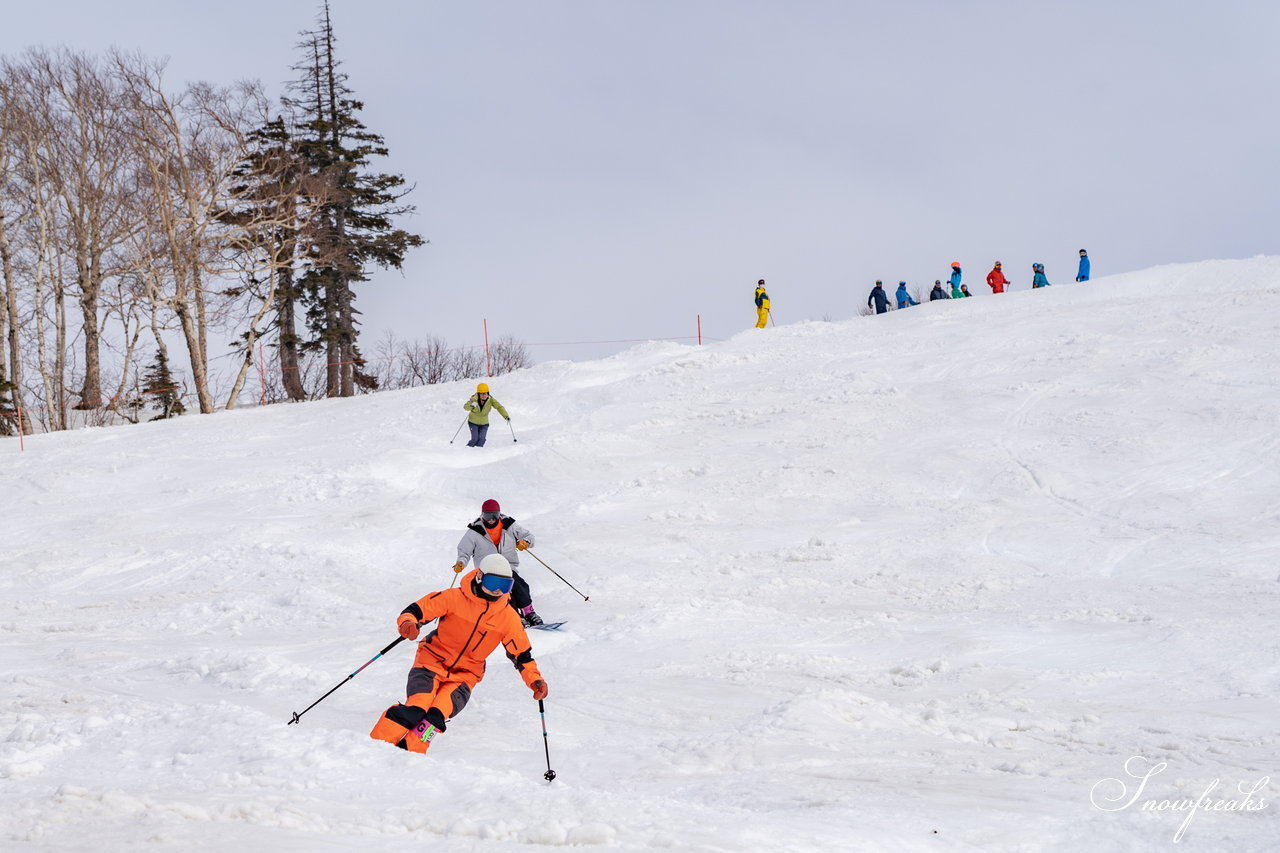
(513, 429)
(542, 711)
(557, 574)
(771, 323)
(464, 423)
(390, 646)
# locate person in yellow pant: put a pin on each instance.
(762, 305)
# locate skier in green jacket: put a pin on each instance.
(479, 406)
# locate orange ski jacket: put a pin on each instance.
(469, 630)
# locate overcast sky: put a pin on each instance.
(588, 169)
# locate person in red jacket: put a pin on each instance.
(996, 279)
(474, 621)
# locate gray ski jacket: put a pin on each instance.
(475, 544)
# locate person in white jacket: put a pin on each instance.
(495, 533)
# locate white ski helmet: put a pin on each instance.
(494, 577)
(495, 564)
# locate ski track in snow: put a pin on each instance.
(909, 582)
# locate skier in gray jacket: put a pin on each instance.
(495, 533)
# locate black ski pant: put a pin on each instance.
(520, 595)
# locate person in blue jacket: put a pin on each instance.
(1083, 273)
(904, 298)
(880, 297)
(1039, 280)
(955, 279)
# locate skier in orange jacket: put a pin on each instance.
(474, 621)
(996, 279)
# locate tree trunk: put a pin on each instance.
(60, 348)
(250, 341)
(286, 319)
(199, 370)
(11, 315)
(131, 341)
(52, 403)
(346, 340)
(333, 348)
(91, 391)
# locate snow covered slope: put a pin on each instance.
(911, 582)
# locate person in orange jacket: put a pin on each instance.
(474, 621)
(996, 279)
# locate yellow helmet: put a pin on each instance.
(482, 388)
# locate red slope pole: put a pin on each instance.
(488, 369)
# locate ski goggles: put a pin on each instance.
(496, 584)
(490, 516)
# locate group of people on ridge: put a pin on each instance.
(879, 299)
(490, 608)
(958, 290)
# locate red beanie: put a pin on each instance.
(490, 506)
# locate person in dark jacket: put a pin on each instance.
(1083, 273)
(938, 292)
(880, 298)
(904, 298)
(964, 291)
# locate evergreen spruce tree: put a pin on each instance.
(352, 226)
(159, 384)
(273, 191)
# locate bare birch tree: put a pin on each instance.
(186, 153)
(28, 120)
(87, 166)
(10, 362)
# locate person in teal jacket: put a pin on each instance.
(480, 405)
(1039, 279)
(955, 280)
